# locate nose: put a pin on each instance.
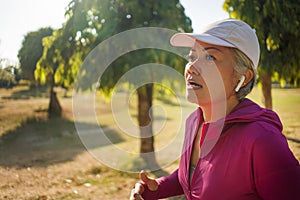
(191, 69)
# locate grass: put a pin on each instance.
(46, 158)
(285, 103)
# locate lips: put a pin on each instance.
(194, 85)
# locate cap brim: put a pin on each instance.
(188, 40)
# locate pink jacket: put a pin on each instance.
(250, 160)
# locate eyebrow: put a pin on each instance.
(214, 48)
(208, 48)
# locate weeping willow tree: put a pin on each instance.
(57, 66)
(277, 24)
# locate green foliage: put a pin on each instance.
(277, 25)
(94, 21)
(91, 22)
(16, 71)
(137, 58)
(50, 59)
(31, 51)
(59, 63)
(7, 79)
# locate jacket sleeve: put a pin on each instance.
(276, 170)
(168, 186)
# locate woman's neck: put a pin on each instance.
(217, 110)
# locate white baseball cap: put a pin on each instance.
(229, 33)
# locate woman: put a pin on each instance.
(233, 149)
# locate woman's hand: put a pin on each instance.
(136, 193)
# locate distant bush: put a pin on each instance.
(7, 79)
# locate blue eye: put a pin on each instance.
(191, 58)
(209, 57)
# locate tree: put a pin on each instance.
(15, 70)
(277, 24)
(31, 51)
(7, 79)
(9, 74)
(94, 21)
(46, 69)
(58, 65)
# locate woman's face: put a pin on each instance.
(210, 75)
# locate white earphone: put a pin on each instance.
(240, 83)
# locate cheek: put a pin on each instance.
(222, 81)
(185, 73)
(230, 82)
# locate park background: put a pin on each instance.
(41, 156)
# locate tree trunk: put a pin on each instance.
(54, 110)
(145, 95)
(266, 88)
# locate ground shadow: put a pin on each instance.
(43, 142)
(29, 92)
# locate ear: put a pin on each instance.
(248, 76)
(245, 78)
(240, 84)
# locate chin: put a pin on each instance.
(193, 98)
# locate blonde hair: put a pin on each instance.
(242, 64)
